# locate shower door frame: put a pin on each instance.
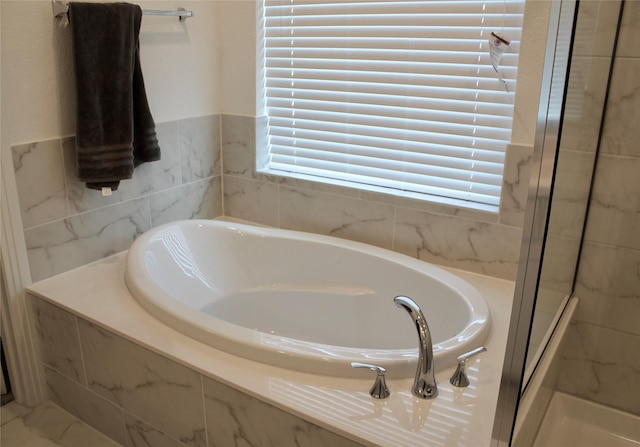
(545, 151)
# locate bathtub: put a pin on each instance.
(300, 301)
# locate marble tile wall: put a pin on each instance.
(584, 103)
(139, 398)
(482, 242)
(602, 360)
(67, 225)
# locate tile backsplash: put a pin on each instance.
(208, 169)
(67, 225)
(478, 241)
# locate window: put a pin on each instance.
(391, 95)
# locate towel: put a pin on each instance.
(115, 131)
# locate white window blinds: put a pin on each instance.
(394, 94)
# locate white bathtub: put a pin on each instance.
(300, 301)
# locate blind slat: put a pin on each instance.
(418, 164)
(409, 130)
(451, 89)
(331, 142)
(393, 112)
(282, 96)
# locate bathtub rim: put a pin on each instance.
(311, 357)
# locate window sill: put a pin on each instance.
(407, 199)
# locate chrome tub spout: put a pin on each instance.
(424, 385)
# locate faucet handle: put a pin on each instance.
(379, 389)
(459, 377)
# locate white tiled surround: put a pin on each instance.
(584, 101)
(43, 200)
(68, 225)
(208, 169)
(143, 383)
(602, 360)
(138, 380)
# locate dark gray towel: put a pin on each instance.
(115, 131)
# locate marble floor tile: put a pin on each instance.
(46, 426)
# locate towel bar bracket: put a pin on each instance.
(59, 8)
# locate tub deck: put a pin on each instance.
(459, 416)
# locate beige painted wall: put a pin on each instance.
(180, 62)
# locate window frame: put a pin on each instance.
(263, 157)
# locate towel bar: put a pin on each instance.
(61, 8)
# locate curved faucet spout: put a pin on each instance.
(424, 385)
